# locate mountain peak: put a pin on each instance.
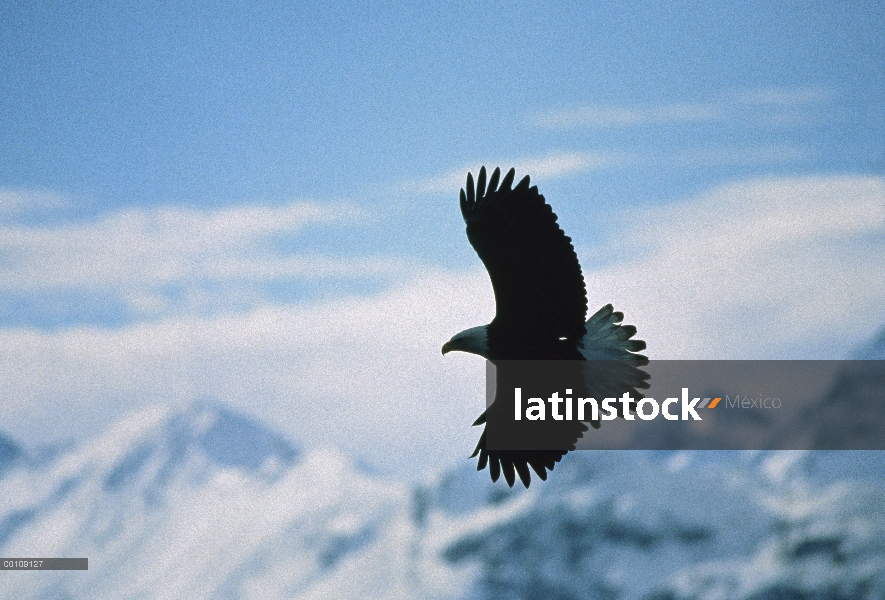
(150, 448)
(874, 350)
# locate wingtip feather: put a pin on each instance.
(494, 468)
(539, 469)
(493, 182)
(508, 180)
(509, 473)
(522, 470)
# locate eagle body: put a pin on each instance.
(540, 310)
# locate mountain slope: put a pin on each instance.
(197, 503)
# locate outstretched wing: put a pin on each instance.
(538, 445)
(539, 289)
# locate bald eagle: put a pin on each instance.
(540, 311)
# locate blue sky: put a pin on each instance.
(216, 104)
(212, 200)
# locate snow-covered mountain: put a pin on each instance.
(203, 502)
(196, 503)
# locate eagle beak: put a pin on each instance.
(447, 347)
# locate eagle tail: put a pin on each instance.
(607, 339)
(613, 365)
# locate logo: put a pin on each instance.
(586, 409)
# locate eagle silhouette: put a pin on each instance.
(540, 315)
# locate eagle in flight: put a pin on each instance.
(540, 313)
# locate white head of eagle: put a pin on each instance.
(540, 307)
(474, 340)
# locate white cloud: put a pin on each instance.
(561, 165)
(768, 268)
(149, 245)
(134, 252)
(15, 203)
(765, 268)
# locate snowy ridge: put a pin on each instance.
(10, 454)
(874, 349)
(163, 508)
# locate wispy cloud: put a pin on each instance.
(752, 155)
(135, 252)
(784, 96)
(613, 116)
(569, 163)
(16, 203)
(550, 166)
(764, 106)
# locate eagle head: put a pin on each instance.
(474, 340)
